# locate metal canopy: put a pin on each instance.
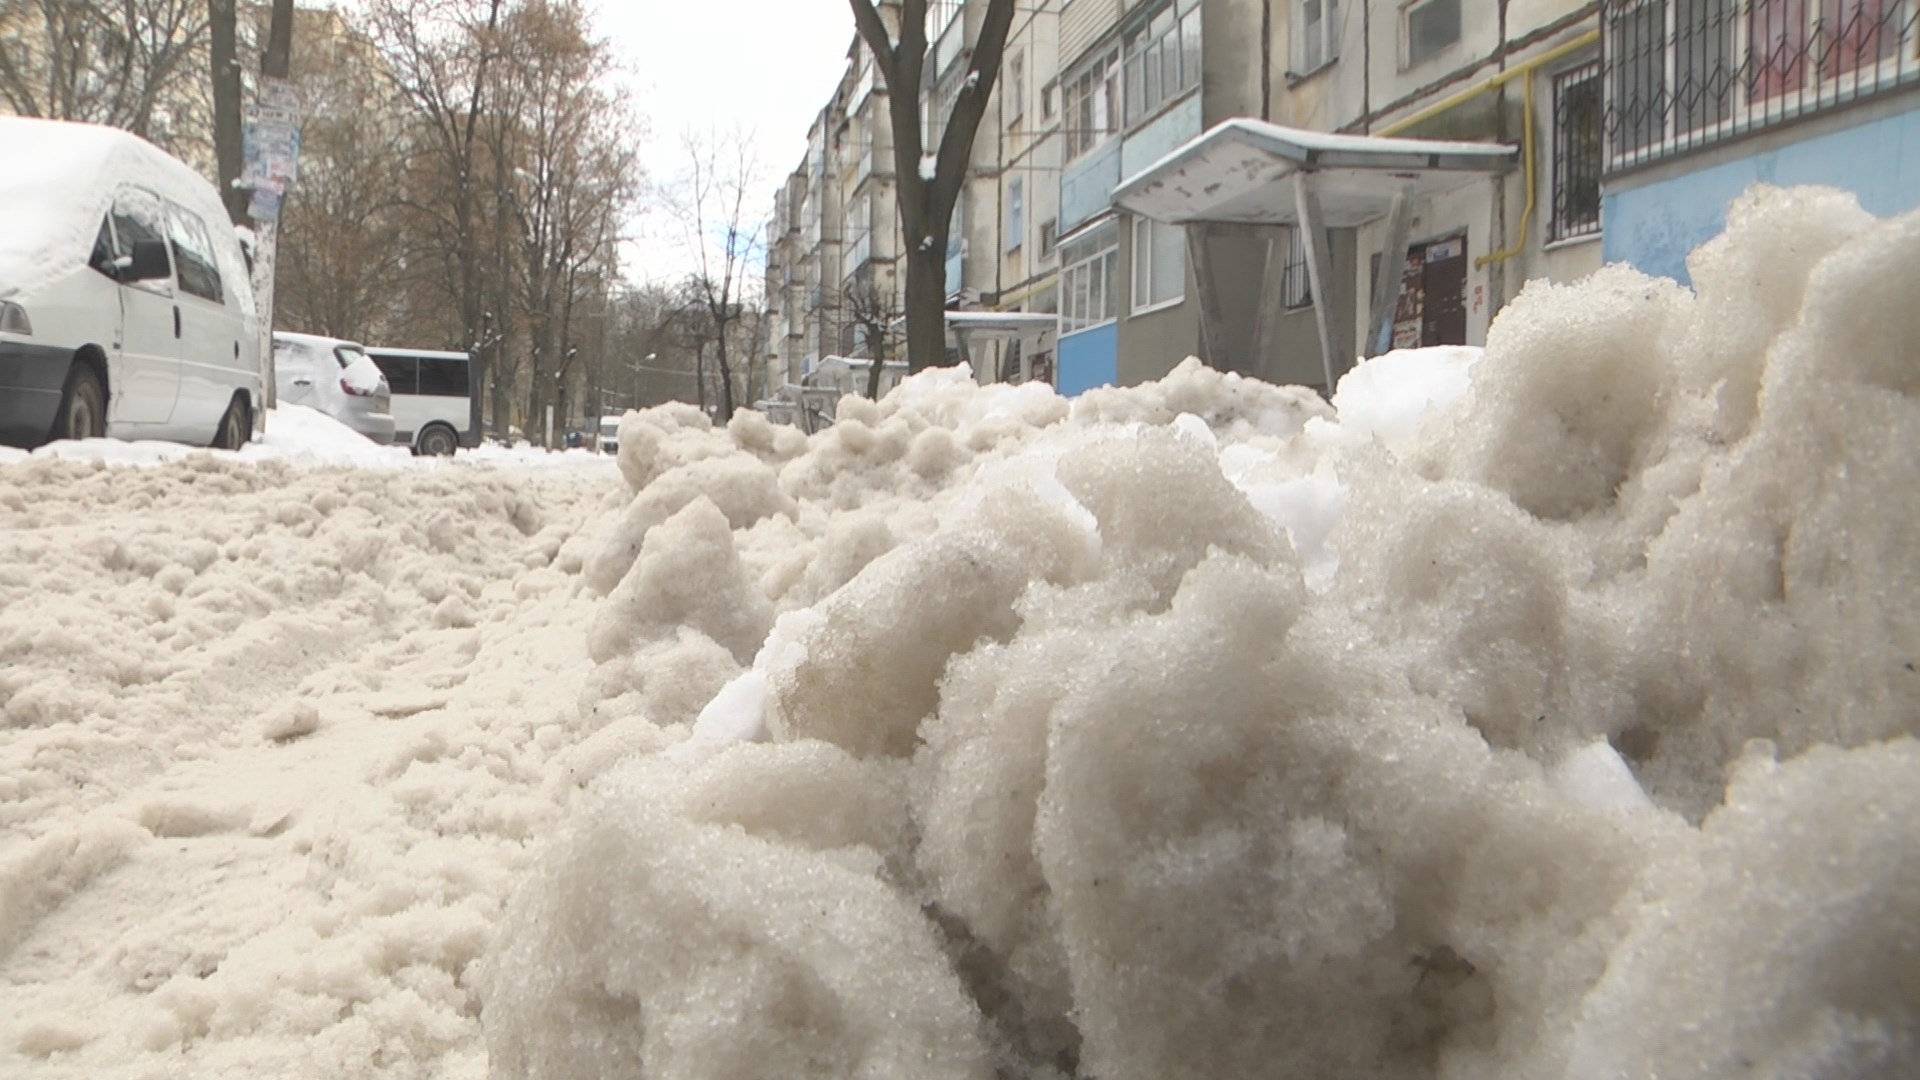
(1246, 172)
(1027, 327)
(1001, 323)
(1237, 172)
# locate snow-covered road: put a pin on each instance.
(272, 750)
(1542, 712)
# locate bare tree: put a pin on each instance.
(726, 240)
(872, 305)
(115, 62)
(341, 262)
(572, 179)
(439, 54)
(927, 196)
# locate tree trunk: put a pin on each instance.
(277, 61)
(726, 377)
(927, 303)
(224, 30)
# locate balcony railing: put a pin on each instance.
(1683, 74)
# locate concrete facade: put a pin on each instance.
(1106, 88)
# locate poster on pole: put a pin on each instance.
(270, 142)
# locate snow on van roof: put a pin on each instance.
(59, 181)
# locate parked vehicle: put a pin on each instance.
(432, 398)
(336, 377)
(125, 304)
(610, 434)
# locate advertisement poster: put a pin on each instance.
(270, 141)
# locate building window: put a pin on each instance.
(1672, 69)
(1046, 102)
(1431, 26)
(940, 15)
(1016, 101)
(1159, 264)
(1577, 109)
(1092, 104)
(1016, 214)
(1090, 293)
(1317, 40)
(1163, 58)
(1049, 237)
(1296, 284)
(858, 232)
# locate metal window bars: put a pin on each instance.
(1683, 74)
(1578, 152)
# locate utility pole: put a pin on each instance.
(258, 153)
(276, 64)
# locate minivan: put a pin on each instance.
(432, 398)
(125, 304)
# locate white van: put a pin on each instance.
(432, 398)
(125, 305)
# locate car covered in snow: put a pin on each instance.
(125, 303)
(336, 377)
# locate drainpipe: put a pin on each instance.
(1523, 70)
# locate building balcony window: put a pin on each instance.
(1684, 74)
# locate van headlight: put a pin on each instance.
(13, 319)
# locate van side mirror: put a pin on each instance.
(150, 262)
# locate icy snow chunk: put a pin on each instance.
(1391, 397)
(1162, 504)
(741, 487)
(643, 927)
(866, 674)
(1569, 392)
(737, 713)
(1595, 776)
(1781, 943)
(688, 575)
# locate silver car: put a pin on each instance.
(335, 377)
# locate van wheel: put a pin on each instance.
(438, 442)
(83, 406)
(236, 427)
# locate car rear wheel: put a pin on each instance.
(236, 427)
(83, 406)
(438, 442)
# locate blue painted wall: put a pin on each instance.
(1654, 227)
(1168, 132)
(1089, 358)
(1086, 186)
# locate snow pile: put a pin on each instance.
(273, 739)
(1545, 713)
(295, 434)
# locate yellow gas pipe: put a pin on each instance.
(1525, 70)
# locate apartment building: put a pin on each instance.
(1226, 178)
(835, 267)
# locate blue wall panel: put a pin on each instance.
(1654, 227)
(1168, 132)
(1086, 186)
(1089, 358)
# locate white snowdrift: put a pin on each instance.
(1548, 713)
(273, 736)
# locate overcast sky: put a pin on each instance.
(762, 67)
